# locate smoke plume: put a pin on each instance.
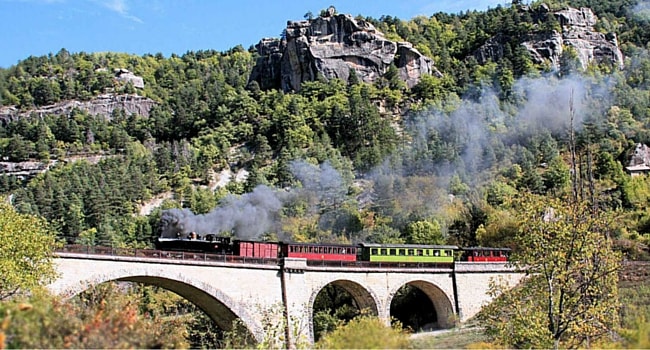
(247, 216)
(475, 136)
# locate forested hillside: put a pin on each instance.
(349, 161)
(531, 132)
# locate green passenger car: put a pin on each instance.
(408, 253)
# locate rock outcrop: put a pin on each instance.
(102, 105)
(331, 46)
(126, 76)
(547, 46)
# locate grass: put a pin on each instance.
(453, 339)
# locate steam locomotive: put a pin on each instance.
(367, 252)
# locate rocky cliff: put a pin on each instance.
(331, 46)
(103, 105)
(547, 46)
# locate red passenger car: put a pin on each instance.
(310, 251)
(484, 254)
(255, 249)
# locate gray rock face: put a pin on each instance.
(331, 47)
(103, 105)
(577, 32)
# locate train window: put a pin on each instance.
(383, 251)
(401, 251)
(392, 251)
(411, 252)
(420, 252)
(373, 251)
(447, 252)
(436, 253)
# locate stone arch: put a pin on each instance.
(365, 298)
(441, 302)
(217, 305)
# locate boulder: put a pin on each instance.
(126, 76)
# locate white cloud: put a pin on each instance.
(120, 7)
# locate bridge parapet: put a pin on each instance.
(197, 260)
(484, 267)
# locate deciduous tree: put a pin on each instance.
(26, 247)
(569, 297)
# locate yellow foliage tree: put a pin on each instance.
(365, 332)
(104, 318)
(569, 298)
(26, 252)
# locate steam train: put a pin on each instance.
(367, 252)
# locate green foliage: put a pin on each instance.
(500, 193)
(425, 232)
(365, 332)
(637, 191)
(382, 234)
(557, 176)
(26, 252)
(499, 230)
(333, 307)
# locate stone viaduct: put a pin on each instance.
(263, 293)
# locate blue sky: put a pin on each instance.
(39, 27)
